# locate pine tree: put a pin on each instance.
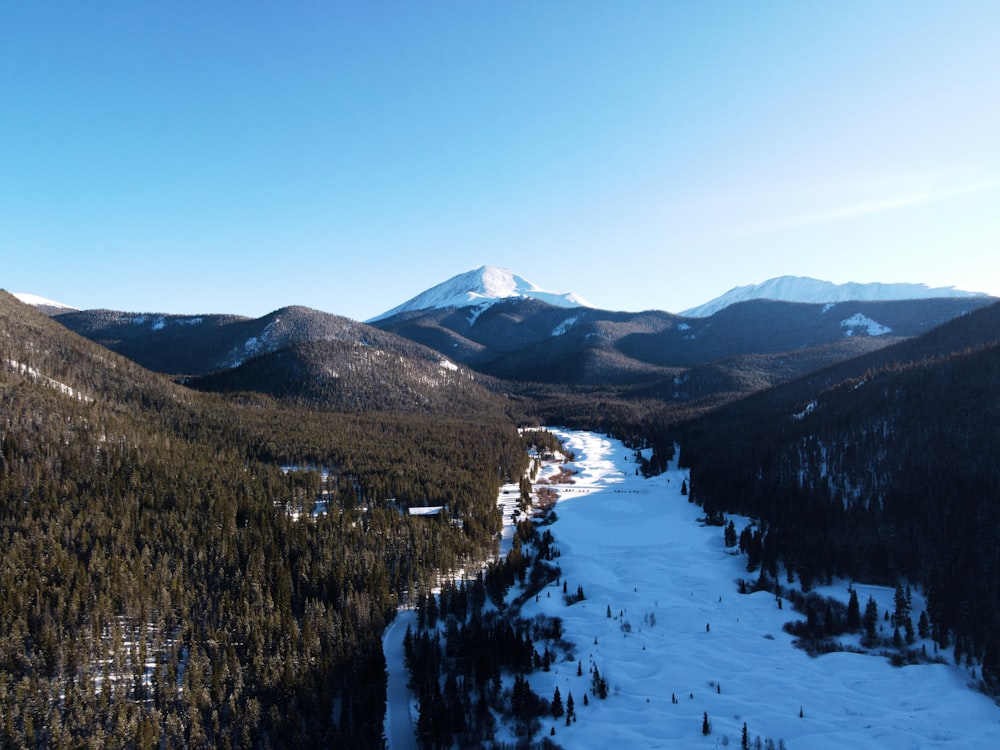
(706, 727)
(853, 611)
(871, 618)
(745, 740)
(557, 704)
(923, 627)
(730, 534)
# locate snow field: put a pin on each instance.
(636, 545)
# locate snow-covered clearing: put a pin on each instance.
(680, 630)
(859, 323)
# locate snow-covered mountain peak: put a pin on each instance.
(804, 289)
(480, 288)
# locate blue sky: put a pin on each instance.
(238, 157)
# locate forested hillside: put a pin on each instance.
(881, 470)
(201, 344)
(529, 341)
(349, 376)
(165, 583)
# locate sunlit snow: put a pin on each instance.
(859, 323)
(36, 301)
(479, 289)
(560, 329)
(679, 630)
(805, 289)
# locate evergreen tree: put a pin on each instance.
(706, 727)
(871, 618)
(853, 612)
(902, 602)
(923, 627)
(557, 704)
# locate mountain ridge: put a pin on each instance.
(487, 285)
(806, 289)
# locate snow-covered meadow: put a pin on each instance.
(681, 642)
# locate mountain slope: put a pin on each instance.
(518, 338)
(478, 289)
(153, 543)
(197, 345)
(815, 291)
(527, 340)
(879, 468)
(356, 377)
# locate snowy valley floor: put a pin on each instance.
(679, 628)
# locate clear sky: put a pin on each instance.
(241, 156)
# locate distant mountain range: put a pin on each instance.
(497, 323)
(482, 287)
(804, 289)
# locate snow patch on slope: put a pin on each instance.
(37, 376)
(253, 346)
(560, 329)
(809, 409)
(35, 301)
(859, 323)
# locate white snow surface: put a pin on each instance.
(859, 323)
(37, 376)
(482, 287)
(809, 409)
(636, 545)
(805, 289)
(36, 301)
(560, 329)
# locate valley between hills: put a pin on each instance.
(663, 623)
(169, 581)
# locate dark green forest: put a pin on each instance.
(157, 587)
